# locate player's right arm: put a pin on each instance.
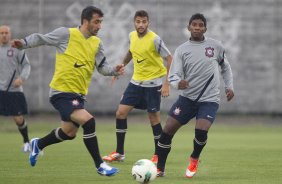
(54, 38)
(176, 74)
(127, 58)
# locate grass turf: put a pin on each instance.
(235, 154)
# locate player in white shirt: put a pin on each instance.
(195, 71)
(14, 71)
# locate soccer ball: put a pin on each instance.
(144, 171)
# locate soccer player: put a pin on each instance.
(79, 52)
(14, 70)
(147, 50)
(195, 71)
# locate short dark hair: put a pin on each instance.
(141, 13)
(88, 12)
(198, 16)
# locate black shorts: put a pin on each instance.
(142, 97)
(12, 103)
(66, 103)
(184, 109)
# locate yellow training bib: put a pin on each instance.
(148, 64)
(74, 67)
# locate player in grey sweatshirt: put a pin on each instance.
(14, 70)
(195, 70)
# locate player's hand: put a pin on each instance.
(18, 82)
(229, 94)
(165, 89)
(16, 43)
(183, 84)
(120, 69)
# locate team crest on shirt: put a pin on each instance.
(10, 53)
(75, 102)
(177, 111)
(209, 52)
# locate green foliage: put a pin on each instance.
(235, 154)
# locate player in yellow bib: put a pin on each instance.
(79, 52)
(147, 51)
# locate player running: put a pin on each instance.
(79, 52)
(195, 71)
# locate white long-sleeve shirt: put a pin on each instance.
(13, 64)
(196, 62)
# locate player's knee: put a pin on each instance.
(18, 119)
(166, 130)
(201, 135)
(171, 126)
(121, 114)
(154, 117)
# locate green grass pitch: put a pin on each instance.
(236, 153)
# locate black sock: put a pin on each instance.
(55, 136)
(24, 131)
(163, 149)
(121, 128)
(199, 141)
(91, 142)
(157, 130)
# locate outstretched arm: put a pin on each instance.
(54, 38)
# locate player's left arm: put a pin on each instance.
(104, 67)
(227, 75)
(24, 68)
(166, 55)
